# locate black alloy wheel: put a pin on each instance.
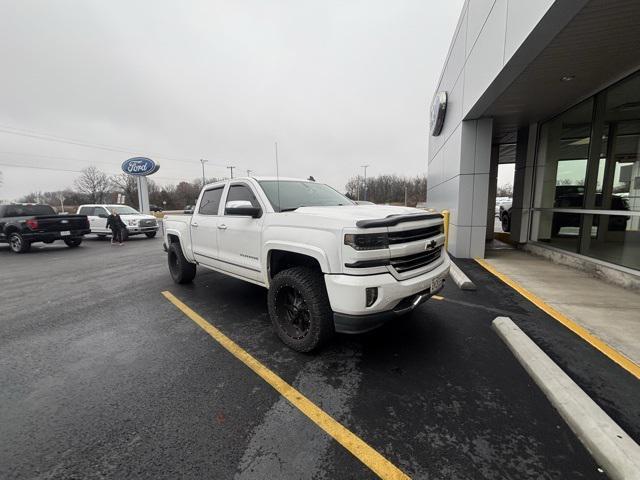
(292, 313)
(299, 308)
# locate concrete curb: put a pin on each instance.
(616, 452)
(460, 279)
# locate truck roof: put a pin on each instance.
(264, 178)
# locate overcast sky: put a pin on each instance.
(338, 84)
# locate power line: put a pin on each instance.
(58, 169)
(86, 161)
(83, 143)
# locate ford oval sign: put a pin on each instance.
(140, 166)
(438, 112)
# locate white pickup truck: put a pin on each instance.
(330, 265)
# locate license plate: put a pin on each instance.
(436, 283)
(66, 233)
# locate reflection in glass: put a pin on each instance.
(616, 243)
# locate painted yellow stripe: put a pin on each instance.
(437, 297)
(363, 452)
(607, 350)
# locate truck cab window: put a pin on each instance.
(242, 193)
(210, 202)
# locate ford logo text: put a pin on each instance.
(140, 166)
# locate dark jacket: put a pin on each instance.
(114, 222)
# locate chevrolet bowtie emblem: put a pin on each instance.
(430, 245)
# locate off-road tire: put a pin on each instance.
(506, 222)
(73, 242)
(150, 234)
(311, 287)
(18, 243)
(182, 271)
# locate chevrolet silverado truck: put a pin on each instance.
(22, 224)
(329, 264)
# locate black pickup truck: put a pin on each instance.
(24, 224)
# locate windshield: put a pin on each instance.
(295, 194)
(123, 210)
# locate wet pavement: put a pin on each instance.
(103, 378)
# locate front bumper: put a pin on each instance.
(134, 230)
(395, 297)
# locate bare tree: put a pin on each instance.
(126, 185)
(94, 183)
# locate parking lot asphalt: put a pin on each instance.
(102, 377)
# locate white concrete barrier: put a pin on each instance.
(460, 279)
(615, 451)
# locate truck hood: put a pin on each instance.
(350, 214)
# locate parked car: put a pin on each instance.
(137, 223)
(22, 224)
(329, 265)
(155, 208)
(188, 209)
(572, 196)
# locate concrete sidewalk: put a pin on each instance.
(609, 312)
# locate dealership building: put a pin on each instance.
(554, 88)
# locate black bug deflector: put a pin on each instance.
(393, 220)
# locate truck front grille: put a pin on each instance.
(416, 260)
(406, 236)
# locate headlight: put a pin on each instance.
(132, 223)
(367, 241)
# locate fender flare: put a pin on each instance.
(301, 248)
(188, 255)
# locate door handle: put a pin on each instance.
(194, 225)
(222, 227)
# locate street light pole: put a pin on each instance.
(249, 172)
(365, 180)
(203, 161)
(231, 168)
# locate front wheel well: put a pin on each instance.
(280, 260)
(173, 239)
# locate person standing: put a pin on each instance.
(117, 226)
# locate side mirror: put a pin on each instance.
(242, 208)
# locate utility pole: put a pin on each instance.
(249, 172)
(365, 180)
(405, 194)
(231, 168)
(203, 161)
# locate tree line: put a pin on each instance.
(391, 189)
(95, 186)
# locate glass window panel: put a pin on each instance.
(615, 239)
(621, 180)
(563, 154)
(560, 229)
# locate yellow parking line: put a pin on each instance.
(363, 452)
(607, 350)
(437, 297)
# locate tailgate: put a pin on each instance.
(60, 223)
